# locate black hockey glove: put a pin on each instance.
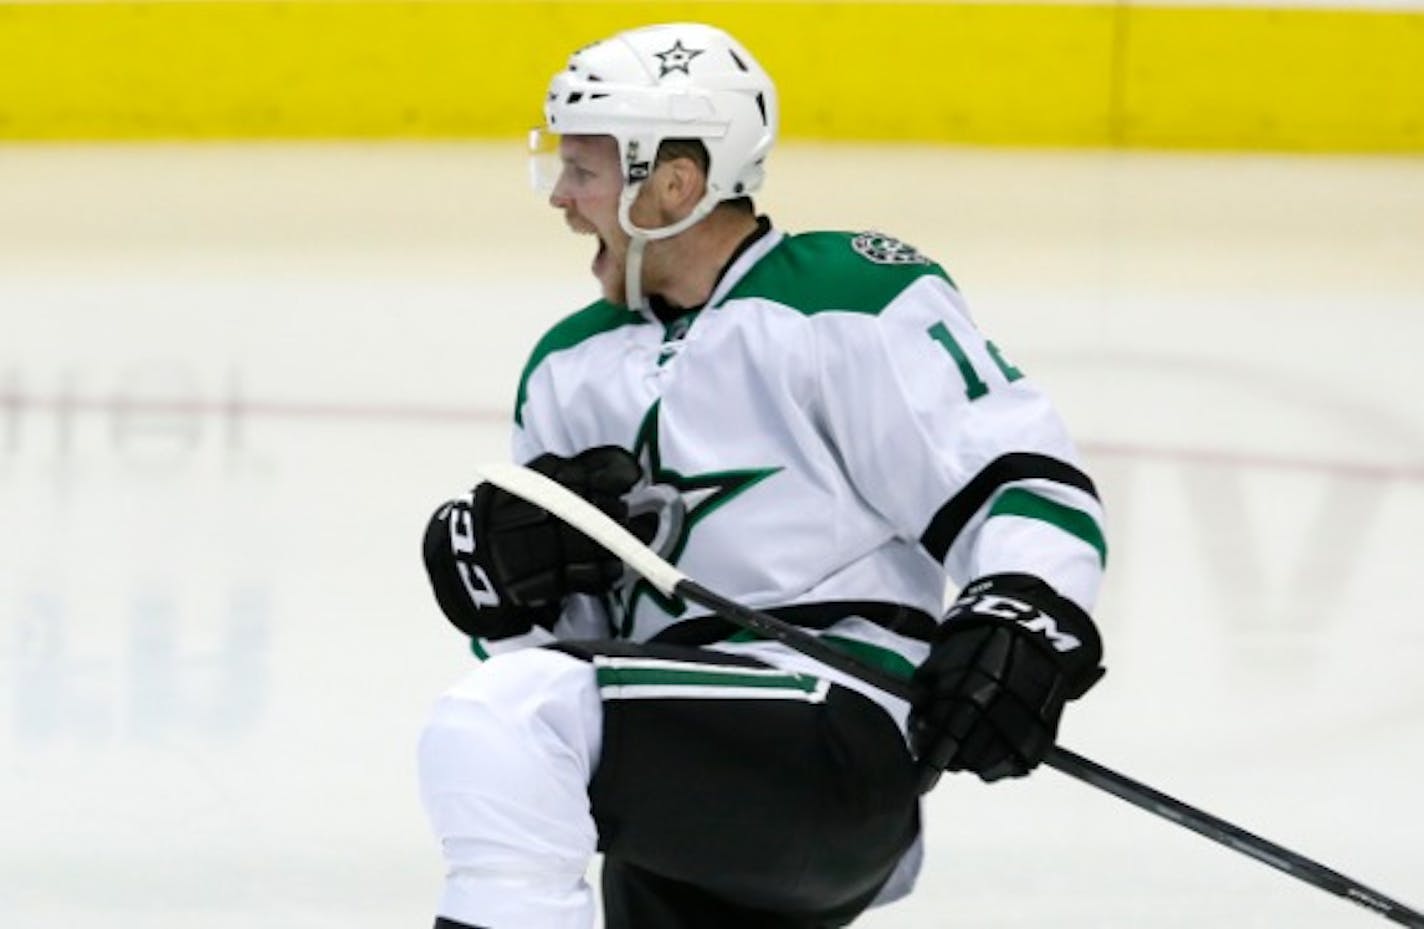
(500, 565)
(1008, 656)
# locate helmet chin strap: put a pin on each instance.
(640, 237)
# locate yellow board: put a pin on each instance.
(1280, 79)
(1020, 74)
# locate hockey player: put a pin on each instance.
(808, 423)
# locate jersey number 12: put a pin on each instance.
(974, 386)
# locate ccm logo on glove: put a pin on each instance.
(500, 565)
(458, 516)
(1024, 614)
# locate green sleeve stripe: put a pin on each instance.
(1025, 503)
(949, 520)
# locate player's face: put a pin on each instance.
(587, 193)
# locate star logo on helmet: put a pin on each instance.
(676, 58)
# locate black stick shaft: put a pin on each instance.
(1074, 765)
(1225, 833)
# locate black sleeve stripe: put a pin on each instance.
(951, 518)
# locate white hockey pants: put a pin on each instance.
(505, 762)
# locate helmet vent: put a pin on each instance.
(761, 105)
(739, 62)
(575, 97)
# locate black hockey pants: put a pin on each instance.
(733, 810)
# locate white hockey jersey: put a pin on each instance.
(830, 438)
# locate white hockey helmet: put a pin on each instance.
(674, 81)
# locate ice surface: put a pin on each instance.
(235, 379)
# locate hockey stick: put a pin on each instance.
(574, 510)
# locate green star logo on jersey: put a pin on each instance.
(680, 502)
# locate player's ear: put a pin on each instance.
(680, 187)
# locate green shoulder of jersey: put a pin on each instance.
(814, 272)
(592, 320)
(847, 272)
